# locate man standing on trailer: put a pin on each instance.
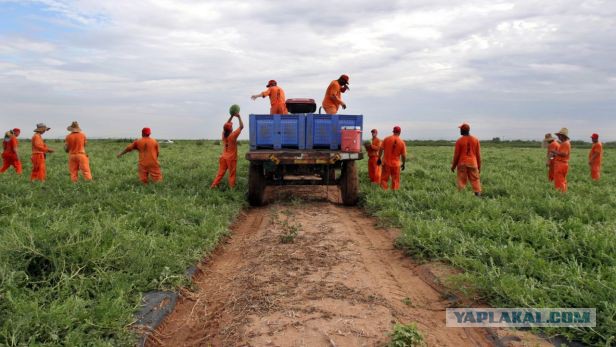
(595, 157)
(373, 147)
(392, 149)
(228, 158)
(148, 149)
(561, 160)
(552, 146)
(39, 153)
(75, 146)
(333, 95)
(277, 98)
(10, 157)
(467, 160)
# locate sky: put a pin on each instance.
(512, 69)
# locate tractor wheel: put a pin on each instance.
(256, 184)
(349, 183)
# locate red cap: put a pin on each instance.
(146, 132)
(16, 130)
(397, 130)
(465, 127)
(271, 83)
(345, 78)
(228, 126)
(595, 136)
(374, 131)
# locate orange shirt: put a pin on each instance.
(467, 152)
(229, 152)
(10, 145)
(38, 145)
(333, 89)
(553, 146)
(393, 148)
(148, 151)
(373, 149)
(76, 143)
(565, 147)
(276, 95)
(597, 148)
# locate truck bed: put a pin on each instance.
(301, 156)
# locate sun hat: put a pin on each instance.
(564, 132)
(146, 132)
(41, 127)
(549, 137)
(465, 127)
(74, 127)
(271, 83)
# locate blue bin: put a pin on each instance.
(277, 131)
(323, 130)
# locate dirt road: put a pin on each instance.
(310, 273)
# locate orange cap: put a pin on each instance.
(465, 127)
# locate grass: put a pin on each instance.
(406, 335)
(523, 244)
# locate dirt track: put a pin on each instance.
(311, 273)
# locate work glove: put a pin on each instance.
(402, 167)
(379, 162)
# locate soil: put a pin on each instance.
(311, 272)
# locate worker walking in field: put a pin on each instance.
(561, 160)
(39, 153)
(228, 158)
(392, 150)
(148, 167)
(333, 95)
(10, 157)
(75, 146)
(552, 145)
(277, 98)
(373, 147)
(467, 160)
(595, 157)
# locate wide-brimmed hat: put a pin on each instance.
(271, 83)
(549, 137)
(564, 132)
(74, 127)
(41, 127)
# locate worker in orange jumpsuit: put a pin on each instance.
(333, 95)
(561, 160)
(373, 147)
(277, 98)
(10, 157)
(228, 158)
(595, 157)
(467, 160)
(552, 146)
(148, 167)
(75, 146)
(392, 149)
(39, 153)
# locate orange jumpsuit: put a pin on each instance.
(467, 160)
(595, 165)
(39, 150)
(329, 105)
(374, 170)
(228, 159)
(553, 146)
(77, 157)
(9, 155)
(277, 100)
(393, 149)
(561, 167)
(148, 166)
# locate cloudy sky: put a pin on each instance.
(514, 69)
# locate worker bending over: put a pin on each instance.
(333, 95)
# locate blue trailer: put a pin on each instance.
(301, 149)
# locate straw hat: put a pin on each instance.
(41, 127)
(564, 132)
(74, 127)
(549, 137)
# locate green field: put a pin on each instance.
(74, 259)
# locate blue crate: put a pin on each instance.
(277, 131)
(323, 130)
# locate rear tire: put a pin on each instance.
(256, 184)
(349, 183)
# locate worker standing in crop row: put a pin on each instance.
(228, 158)
(552, 146)
(39, 153)
(333, 95)
(392, 150)
(75, 146)
(467, 160)
(595, 157)
(10, 157)
(148, 167)
(373, 147)
(561, 160)
(277, 98)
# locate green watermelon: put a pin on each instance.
(234, 109)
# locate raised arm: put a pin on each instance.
(239, 118)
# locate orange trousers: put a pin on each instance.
(39, 169)
(595, 172)
(374, 170)
(9, 160)
(77, 162)
(280, 108)
(330, 109)
(147, 172)
(551, 171)
(560, 175)
(223, 166)
(394, 173)
(469, 173)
